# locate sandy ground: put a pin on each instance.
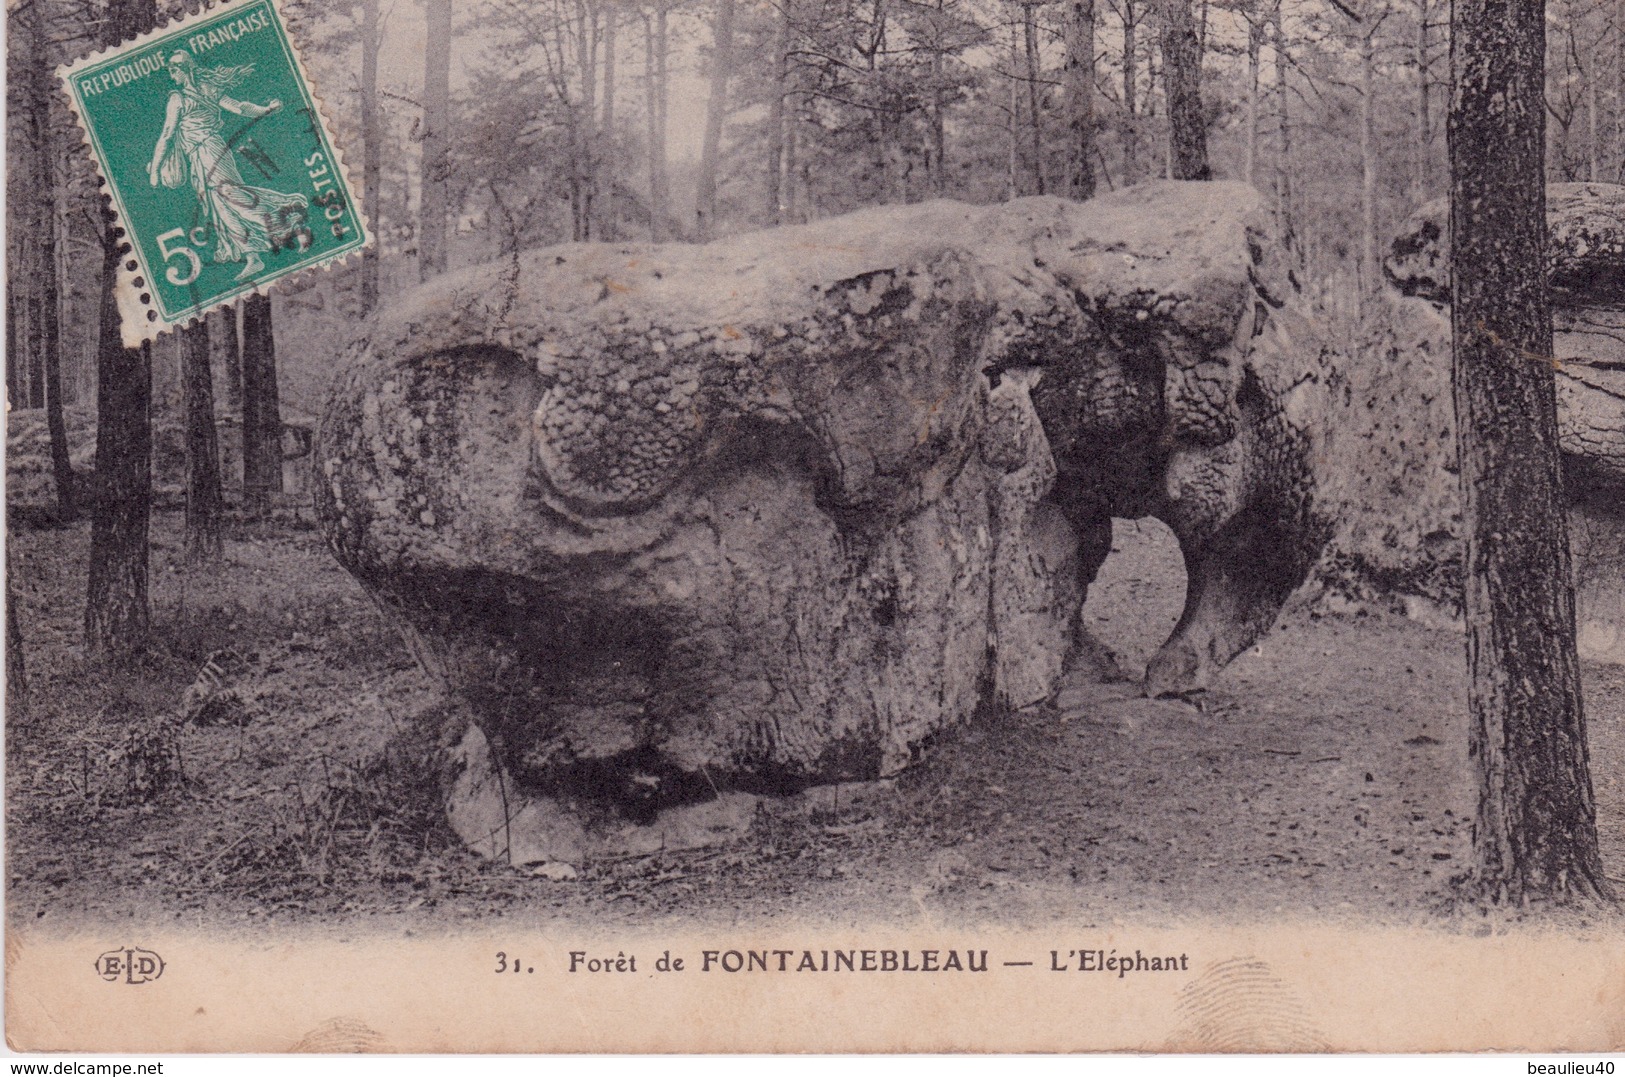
(1324, 776)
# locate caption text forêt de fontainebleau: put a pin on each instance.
(1118, 962)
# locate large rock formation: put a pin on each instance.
(1396, 497)
(1585, 255)
(1587, 259)
(675, 521)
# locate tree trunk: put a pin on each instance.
(49, 236)
(794, 189)
(773, 192)
(651, 117)
(203, 499)
(1287, 234)
(44, 232)
(1619, 91)
(586, 120)
(716, 109)
(1080, 98)
(1035, 118)
(432, 202)
(1255, 45)
(371, 153)
(1370, 277)
(1131, 133)
(67, 499)
(610, 229)
(1424, 118)
(1153, 58)
(1182, 81)
(262, 419)
(580, 200)
(13, 354)
(939, 103)
(16, 674)
(17, 327)
(1534, 833)
(36, 324)
(117, 613)
(1012, 174)
(659, 180)
(227, 355)
(1593, 148)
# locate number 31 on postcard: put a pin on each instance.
(219, 163)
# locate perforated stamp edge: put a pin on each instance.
(135, 326)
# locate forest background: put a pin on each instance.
(506, 125)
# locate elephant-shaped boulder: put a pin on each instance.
(682, 522)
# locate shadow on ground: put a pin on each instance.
(1324, 777)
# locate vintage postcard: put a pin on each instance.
(877, 527)
(241, 187)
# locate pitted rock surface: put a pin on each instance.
(678, 520)
(1587, 267)
(1395, 493)
(1586, 247)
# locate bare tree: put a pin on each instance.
(1035, 116)
(16, 671)
(584, 128)
(227, 355)
(1080, 98)
(1373, 15)
(432, 204)
(1286, 234)
(776, 119)
(1534, 833)
(1013, 119)
(262, 419)
(939, 100)
(1424, 103)
(44, 231)
(204, 504)
(1255, 47)
(371, 151)
(609, 229)
(716, 109)
(14, 381)
(656, 51)
(1130, 129)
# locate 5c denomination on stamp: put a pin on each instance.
(218, 161)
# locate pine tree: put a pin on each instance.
(204, 504)
(262, 419)
(1534, 833)
(117, 612)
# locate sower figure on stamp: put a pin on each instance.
(247, 221)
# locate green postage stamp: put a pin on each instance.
(218, 160)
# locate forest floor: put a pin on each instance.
(1324, 776)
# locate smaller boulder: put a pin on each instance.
(1586, 252)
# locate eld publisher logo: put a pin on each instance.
(131, 966)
